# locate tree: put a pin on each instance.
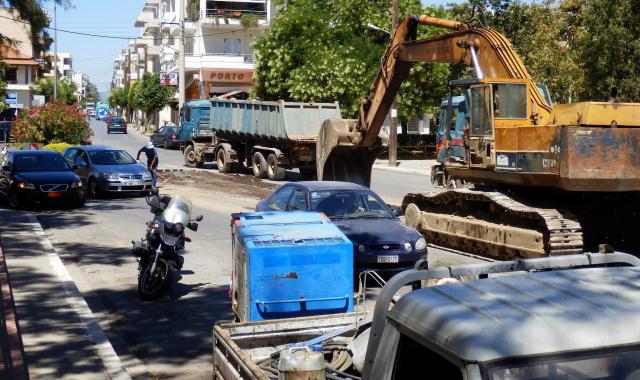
(318, 51)
(66, 90)
(150, 96)
(119, 98)
(92, 92)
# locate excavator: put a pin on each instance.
(539, 179)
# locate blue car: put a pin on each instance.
(381, 242)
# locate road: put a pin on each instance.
(390, 185)
(169, 338)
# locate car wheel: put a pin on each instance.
(14, 201)
(165, 144)
(108, 131)
(259, 165)
(275, 172)
(92, 189)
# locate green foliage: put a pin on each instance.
(193, 10)
(3, 85)
(119, 98)
(57, 147)
(32, 12)
(149, 95)
(92, 94)
(249, 20)
(52, 123)
(66, 90)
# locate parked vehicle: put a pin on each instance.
(269, 137)
(91, 113)
(104, 169)
(167, 136)
(381, 242)
(7, 118)
(562, 317)
(159, 252)
(30, 177)
(116, 124)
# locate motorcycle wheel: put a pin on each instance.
(152, 286)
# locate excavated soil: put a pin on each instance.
(229, 184)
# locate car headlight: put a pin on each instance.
(421, 244)
(408, 247)
(111, 177)
(146, 175)
(76, 185)
(26, 185)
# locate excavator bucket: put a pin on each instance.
(338, 156)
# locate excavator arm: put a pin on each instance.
(346, 149)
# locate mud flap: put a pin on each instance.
(339, 158)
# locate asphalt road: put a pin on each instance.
(390, 185)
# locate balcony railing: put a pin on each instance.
(233, 13)
(226, 57)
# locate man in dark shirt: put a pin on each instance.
(152, 160)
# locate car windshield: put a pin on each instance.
(40, 163)
(349, 204)
(116, 120)
(111, 157)
(611, 366)
(171, 129)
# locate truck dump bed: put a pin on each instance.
(277, 120)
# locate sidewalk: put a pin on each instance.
(61, 339)
(407, 166)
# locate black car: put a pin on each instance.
(116, 124)
(32, 177)
(167, 137)
(381, 242)
(107, 169)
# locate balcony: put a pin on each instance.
(219, 61)
(221, 12)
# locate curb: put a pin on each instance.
(402, 170)
(100, 342)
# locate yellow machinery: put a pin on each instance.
(547, 179)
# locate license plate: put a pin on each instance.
(132, 183)
(54, 194)
(388, 259)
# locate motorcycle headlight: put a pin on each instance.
(178, 227)
(421, 244)
(76, 185)
(26, 185)
(408, 247)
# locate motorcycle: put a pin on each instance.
(159, 252)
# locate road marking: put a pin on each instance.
(101, 343)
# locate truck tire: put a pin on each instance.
(224, 163)
(274, 171)
(190, 158)
(259, 165)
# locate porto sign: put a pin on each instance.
(169, 78)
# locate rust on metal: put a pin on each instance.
(290, 275)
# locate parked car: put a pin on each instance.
(91, 113)
(38, 176)
(107, 169)
(116, 124)
(381, 242)
(167, 136)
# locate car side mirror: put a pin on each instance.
(397, 211)
(193, 226)
(198, 218)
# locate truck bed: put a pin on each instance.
(241, 349)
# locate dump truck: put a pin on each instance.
(544, 179)
(269, 137)
(561, 317)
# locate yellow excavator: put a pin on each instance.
(542, 179)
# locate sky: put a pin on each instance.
(94, 56)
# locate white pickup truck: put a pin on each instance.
(564, 317)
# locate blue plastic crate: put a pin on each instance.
(290, 264)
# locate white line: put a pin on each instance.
(101, 343)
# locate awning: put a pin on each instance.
(19, 62)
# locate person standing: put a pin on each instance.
(152, 160)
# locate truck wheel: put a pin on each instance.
(259, 165)
(224, 164)
(190, 158)
(274, 171)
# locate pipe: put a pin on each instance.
(441, 23)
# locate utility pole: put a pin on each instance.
(55, 52)
(393, 130)
(181, 74)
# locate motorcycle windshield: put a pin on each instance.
(178, 211)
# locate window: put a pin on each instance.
(348, 204)
(232, 46)
(111, 157)
(11, 75)
(81, 159)
(70, 154)
(481, 120)
(40, 163)
(411, 358)
(298, 201)
(280, 199)
(510, 101)
(187, 114)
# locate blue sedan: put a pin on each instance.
(381, 242)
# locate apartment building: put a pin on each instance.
(22, 68)
(65, 65)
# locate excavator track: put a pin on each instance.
(492, 224)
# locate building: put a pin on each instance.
(80, 80)
(65, 65)
(218, 37)
(22, 68)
